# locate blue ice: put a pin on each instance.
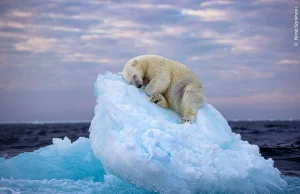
(137, 147)
(63, 167)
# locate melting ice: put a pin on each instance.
(138, 147)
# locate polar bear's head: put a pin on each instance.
(133, 73)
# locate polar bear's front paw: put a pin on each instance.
(156, 98)
(159, 100)
(190, 120)
(146, 82)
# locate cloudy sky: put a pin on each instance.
(243, 51)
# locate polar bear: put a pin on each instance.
(169, 84)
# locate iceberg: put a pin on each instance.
(62, 160)
(138, 147)
(147, 145)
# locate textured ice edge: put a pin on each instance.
(144, 144)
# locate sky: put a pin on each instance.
(51, 52)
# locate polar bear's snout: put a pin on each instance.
(137, 81)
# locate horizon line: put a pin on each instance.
(36, 122)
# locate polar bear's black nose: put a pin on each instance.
(139, 86)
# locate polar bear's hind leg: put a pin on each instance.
(192, 101)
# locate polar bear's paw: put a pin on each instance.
(159, 100)
(190, 119)
(146, 82)
(156, 98)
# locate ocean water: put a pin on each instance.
(279, 140)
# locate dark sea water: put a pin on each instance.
(279, 140)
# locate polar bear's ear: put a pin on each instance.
(134, 63)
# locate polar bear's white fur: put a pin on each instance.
(168, 83)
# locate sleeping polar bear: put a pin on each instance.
(169, 84)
